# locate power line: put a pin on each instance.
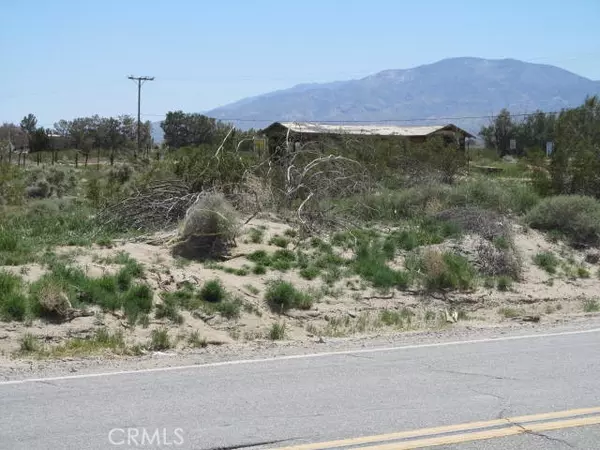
(422, 119)
(140, 81)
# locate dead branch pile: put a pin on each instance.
(485, 223)
(157, 206)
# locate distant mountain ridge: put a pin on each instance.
(455, 87)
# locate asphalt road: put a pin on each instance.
(299, 400)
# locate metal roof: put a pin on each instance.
(373, 130)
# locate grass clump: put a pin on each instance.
(160, 340)
(547, 261)
(279, 241)
(504, 283)
(256, 235)
(196, 341)
(590, 306)
(370, 262)
(446, 271)
(509, 313)
(29, 344)
(277, 331)
(577, 217)
(282, 295)
(14, 305)
(213, 291)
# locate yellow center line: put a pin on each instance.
(513, 430)
(470, 429)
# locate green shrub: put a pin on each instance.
(230, 308)
(137, 301)
(277, 331)
(259, 269)
(256, 235)
(590, 306)
(29, 343)
(279, 241)
(160, 340)
(370, 263)
(259, 257)
(310, 272)
(447, 271)
(575, 216)
(282, 295)
(213, 291)
(14, 304)
(504, 283)
(169, 309)
(547, 261)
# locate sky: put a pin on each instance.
(70, 58)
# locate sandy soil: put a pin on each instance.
(347, 308)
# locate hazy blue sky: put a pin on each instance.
(68, 58)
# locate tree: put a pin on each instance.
(29, 124)
(183, 130)
(575, 161)
(499, 133)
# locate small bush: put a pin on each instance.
(169, 309)
(504, 283)
(160, 340)
(209, 228)
(259, 257)
(279, 241)
(256, 235)
(196, 341)
(590, 306)
(575, 216)
(547, 261)
(52, 300)
(13, 304)
(259, 269)
(277, 331)
(230, 309)
(137, 301)
(509, 313)
(213, 291)
(447, 271)
(370, 263)
(391, 318)
(582, 272)
(282, 295)
(29, 343)
(310, 272)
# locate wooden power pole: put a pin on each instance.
(140, 81)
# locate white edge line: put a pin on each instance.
(291, 357)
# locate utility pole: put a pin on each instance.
(140, 81)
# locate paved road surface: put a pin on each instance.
(299, 400)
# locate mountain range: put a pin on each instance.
(464, 88)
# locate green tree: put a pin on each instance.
(575, 161)
(183, 130)
(498, 134)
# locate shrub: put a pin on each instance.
(487, 224)
(13, 304)
(213, 291)
(447, 271)
(547, 261)
(277, 331)
(590, 306)
(494, 261)
(370, 263)
(282, 295)
(168, 309)
(230, 309)
(137, 301)
(259, 269)
(256, 235)
(196, 341)
(209, 228)
(29, 343)
(52, 300)
(310, 272)
(504, 283)
(279, 241)
(160, 340)
(575, 216)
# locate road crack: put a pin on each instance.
(542, 435)
(472, 374)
